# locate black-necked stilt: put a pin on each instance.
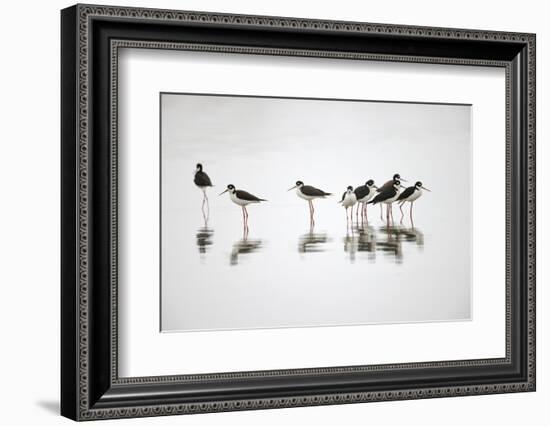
(388, 185)
(387, 196)
(410, 194)
(243, 199)
(309, 193)
(202, 181)
(363, 194)
(349, 200)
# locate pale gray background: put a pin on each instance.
(211, 280)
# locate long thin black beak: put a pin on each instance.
(404, 187)
(404, 180)
(224, 192)
(374, 186)
(425, 189)
(295, 186)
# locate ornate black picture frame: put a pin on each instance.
(91, 37)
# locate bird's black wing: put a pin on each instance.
(383, 195)
(406, 193)
(343, 196)
(387, 185)
(202, 179)
(247, 196)
(361, 191)
(312, 191)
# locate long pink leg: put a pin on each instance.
(245, 232)
(205, 199)
(205, 219)
(381, 209)
(412, 222)
(246, 217)
(357, 213)
(402, 214)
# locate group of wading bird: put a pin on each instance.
(391, 192)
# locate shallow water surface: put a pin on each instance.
(283, 273)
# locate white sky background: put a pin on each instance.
(246, 141)
(264, 145)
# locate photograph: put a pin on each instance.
(273, 207)
(301, 212)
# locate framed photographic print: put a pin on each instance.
(263, 212)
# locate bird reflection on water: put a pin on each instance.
(387, 240)
(391, 245)
(350, 245)
(409, 235)
(204, 239)
(204, 236)
(359, 241)
(312, 242)
(366, 241)
(244, 246)
(395, 236)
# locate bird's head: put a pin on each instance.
(397, 184)
(199, 167)
(299, 184)
(418, 185)
(370, 183)
(230, 188)
(350, 189)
